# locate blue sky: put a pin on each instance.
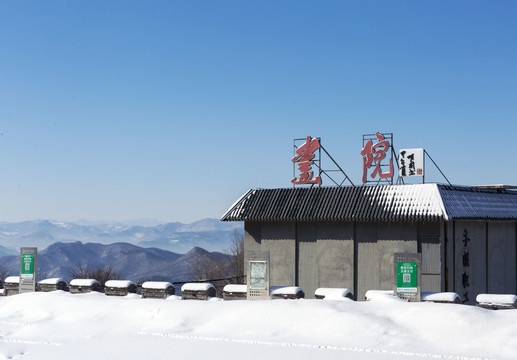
(173, 109)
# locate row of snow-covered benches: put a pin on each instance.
(487, 301)
(149, 289)
(204, 291)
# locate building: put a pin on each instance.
(347, 236)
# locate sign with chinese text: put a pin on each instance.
(304, 156)
(408, 276)
(411, 162)
(257, 271)
(374, 152)
(466, 264)
(28, 267)
(258, 275)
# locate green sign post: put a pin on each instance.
(408, 267)
(407, 277)
(28, 266)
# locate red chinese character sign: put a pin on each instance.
(304, 156)
(373, 155)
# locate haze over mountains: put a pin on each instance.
(209, 234)
(139, 253)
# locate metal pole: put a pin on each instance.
(425, 151)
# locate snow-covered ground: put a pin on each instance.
(60, 325)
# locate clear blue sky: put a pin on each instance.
(116, 110)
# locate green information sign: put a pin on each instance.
(407, 277)
(27, 266)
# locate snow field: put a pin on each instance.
(60, 325)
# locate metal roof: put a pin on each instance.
(423, 202)
(479, 203)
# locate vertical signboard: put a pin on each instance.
(28, 266)
(258, 275)
(408, 276)
(411, 162)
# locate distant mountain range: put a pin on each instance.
(133, 262)
(209, 234)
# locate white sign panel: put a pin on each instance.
(411, 162)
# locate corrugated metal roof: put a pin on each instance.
(423, 202)
(479, 203)
(388, 203)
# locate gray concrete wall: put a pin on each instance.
(336, 255)
(326, 256)
(279, 240)
(307, 258)
(501, 258)
(448, 258)
(376, 245)
(430, 239)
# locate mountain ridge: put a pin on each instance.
(131, 261)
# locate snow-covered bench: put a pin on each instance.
(52, 284)
(235, 292)
(197, 291)
(441, 297)
(11, 285)
(157, 289)
(372, 294)
(81, 286)
(119, 287)
(496, 301)
(286, 292)
(333, 294)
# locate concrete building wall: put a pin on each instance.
(307, 258)
(280, 240)
(325, 256)
(448, 229)
(313, 255)
(336, 255)
(376, 245)
(501, 258)
(430, 245)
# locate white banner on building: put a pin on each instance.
(411, 162)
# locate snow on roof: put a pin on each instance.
(333, 293)
(416, 202)
(157, 285)
(411, 202)
(284, 290)
(12, 279)
(196, 287)
(51, 281)
(119, 283)
(441, 297)
(83, 282)
(496, 299)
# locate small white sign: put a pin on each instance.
(411, 162)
